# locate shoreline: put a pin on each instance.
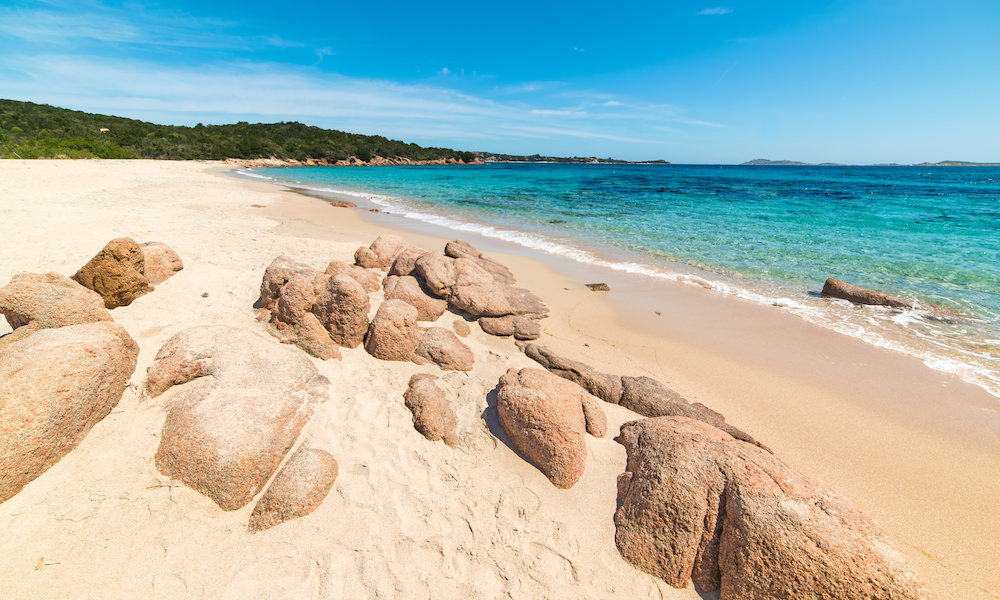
(916, 449)
(920, 336)
(843, 410)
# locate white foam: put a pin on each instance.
(820, 314)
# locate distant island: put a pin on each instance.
(944, 163)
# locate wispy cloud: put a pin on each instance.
(718, 10)
(245, 91)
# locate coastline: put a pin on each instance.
(852, 414)
(916, 449)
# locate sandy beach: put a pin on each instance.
(917, 449)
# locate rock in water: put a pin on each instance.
(160, 262)
(55, 385)
(31, 302)
(598, 287)
(696, 504)
(432, 414)
(546, 418)
(240, 405)
(297, 490)
(835, 288)
(116, 273)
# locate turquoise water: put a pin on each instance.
(771, 234)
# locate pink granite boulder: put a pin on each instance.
(55, 385)
(298, 489)
(696, 504)
(432, 414)
(239, 404)
(546, 418)
(160, 262)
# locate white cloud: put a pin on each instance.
(718, 10)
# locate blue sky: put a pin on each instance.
(692, 82)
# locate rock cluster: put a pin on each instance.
(318, 312)
(432, 414)
(696, 504)
(479, 286)
(62, 370)
(382, 252)
(239, 406)
(546, 418)
(643, 395)
(395, 335)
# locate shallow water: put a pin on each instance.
(768, 234)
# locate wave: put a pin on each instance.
(869, 328)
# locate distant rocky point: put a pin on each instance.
(944, 163)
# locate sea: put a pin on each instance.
(768, 234)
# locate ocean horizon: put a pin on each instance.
(770, 235)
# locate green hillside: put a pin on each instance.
(29, 130)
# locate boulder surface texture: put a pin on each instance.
(240, 403)
(696, 504)
(116, 273)
(160, 262)
(643, 395)
(432, 414)
(547, 418)
(55, 385)
(298, 488)
(33, 301)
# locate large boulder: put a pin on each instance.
(696, 504)
(116, 273)
(835, 288)
(240, 403)
(407, 289)
(432, 414)
(293, 320)
(33, 301)
(393, 333)
(342, 308)
(643, 395)
(297, 490)
(160, 262)
(463, 249)
(442, 347)
(277, 275)
(546, 418)
(55, 385)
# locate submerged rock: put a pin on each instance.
(696, 504)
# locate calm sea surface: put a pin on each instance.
(768, 234)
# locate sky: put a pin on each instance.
(689, 82)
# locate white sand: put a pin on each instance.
(407, 518)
